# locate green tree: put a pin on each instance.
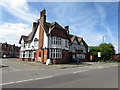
(94, 51)
(107, 51)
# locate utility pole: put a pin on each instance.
(103, 38)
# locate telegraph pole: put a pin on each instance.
(103, 38)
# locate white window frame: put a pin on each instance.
(29, 44)
(35, 43)
(66, 43)
(23, 54)
(56, 40)
(55, 53)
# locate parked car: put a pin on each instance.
(76, 60)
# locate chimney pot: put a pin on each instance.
(34, 24)
(67, 29)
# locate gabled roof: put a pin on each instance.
(53, 24)
(30, 36)
(79, 39)
(71, 37)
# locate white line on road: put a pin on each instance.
(26, 80)
(13, 69)
(80, 71)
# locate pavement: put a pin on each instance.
(20, 74)
(38, 65)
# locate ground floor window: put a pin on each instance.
(55, 53)
(80, 56)
(29, 54)
(25, 54)
(73, 56)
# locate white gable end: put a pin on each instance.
(75, 41)
(45, 41)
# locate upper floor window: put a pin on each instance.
(28, 44)
(24, 45)
(56, 40)
(66, 44)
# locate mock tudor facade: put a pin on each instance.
(51, 41)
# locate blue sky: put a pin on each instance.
(90, 20)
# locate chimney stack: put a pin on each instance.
(43, 17)
(67, 29)
(34, 25)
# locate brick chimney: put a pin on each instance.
(43, 17)
(34, 25)
(67, 29)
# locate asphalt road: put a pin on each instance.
(94, 76)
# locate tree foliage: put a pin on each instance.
(107, 51)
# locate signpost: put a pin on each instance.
(99, 55)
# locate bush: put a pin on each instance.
(108, 61)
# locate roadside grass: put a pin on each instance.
(109, 61)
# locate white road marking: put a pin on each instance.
(26, 80)
(100, 67)
(43, 78)
(13, 69)
(80, 71)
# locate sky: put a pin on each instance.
(90, 20)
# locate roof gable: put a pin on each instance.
(30, 37)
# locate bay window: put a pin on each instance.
(66, 44)
(56, 40)
(55, 53)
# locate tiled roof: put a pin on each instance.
(31, 35)
(54, 24)
(79, 39)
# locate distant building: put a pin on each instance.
(8, 50)
(116, 56)
(51, 41)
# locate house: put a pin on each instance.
(8, 50)
(49, 41)
(78, 47)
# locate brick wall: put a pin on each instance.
(64, 59)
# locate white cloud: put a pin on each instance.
(84, 22)
(19, 8)
(11, 32)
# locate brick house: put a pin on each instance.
(9, 50)
(48, 41)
